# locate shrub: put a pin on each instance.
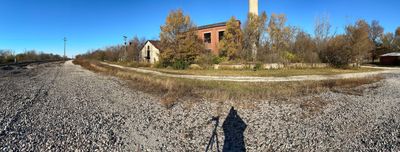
(257, 66)
(290, 57)
(206, 59)
(218, 60)
(180, 65)
(338, 53)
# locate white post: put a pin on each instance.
(253, 9)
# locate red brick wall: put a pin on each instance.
(213, 46)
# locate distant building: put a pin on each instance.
(390, 59)
(212, 34)
(150, 51)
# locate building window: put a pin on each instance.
(148, 53)
(221, 35)
(207, 37)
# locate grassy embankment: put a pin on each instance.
(267, 73)
(173, 90)
(249, 72)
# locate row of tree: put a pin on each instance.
(7, 56)
(129, 52)
(268, 40)
(261, 39)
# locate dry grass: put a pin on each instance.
(266, 73)
(173, 89)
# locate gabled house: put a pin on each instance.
(151, 51)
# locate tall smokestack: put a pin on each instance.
(253, 6)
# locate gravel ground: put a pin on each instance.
(63, 107)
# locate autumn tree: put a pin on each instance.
(280, 36)
(338, 51)
(134, 48)
(396, 41)
(231, 43)
(358, 36)
(322, 33)
(397, 33)
(179, 41)
(375, 35)
(387, 41)
(253, 31)
(305, 48)
(6, 56)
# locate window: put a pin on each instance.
(221, 35)
(148, 53)
(207, 37)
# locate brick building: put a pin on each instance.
(212, 34)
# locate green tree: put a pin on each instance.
(179, 41)
(231, 43)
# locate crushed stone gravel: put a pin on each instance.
(63, 107)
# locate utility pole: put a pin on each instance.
(65, 47)
(126, 49)
(15, 56)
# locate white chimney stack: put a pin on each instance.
(253, 6)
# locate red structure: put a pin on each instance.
(390, 59)
(212, 34)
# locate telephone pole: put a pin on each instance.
(65, 47)
(125, 53)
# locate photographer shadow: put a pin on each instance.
(234, 128)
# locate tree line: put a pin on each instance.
(268, 39)
(262, 39)
(7, 56)
(129, 52)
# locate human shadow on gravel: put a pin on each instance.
(234, 128)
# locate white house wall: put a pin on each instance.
(154, 53)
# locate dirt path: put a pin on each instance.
(261, 79)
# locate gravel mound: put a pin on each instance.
(63, 107)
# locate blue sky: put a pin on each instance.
(91, 24)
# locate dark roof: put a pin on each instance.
(213, 25)
(156, 43)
